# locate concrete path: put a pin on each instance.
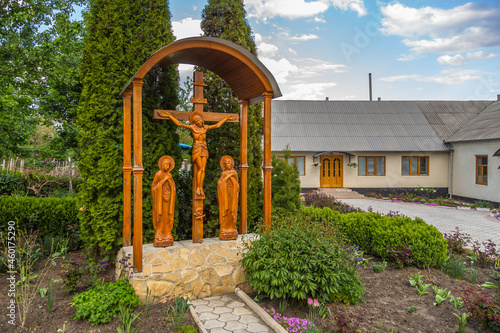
(479, 225)
(228, 313)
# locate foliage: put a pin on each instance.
(183, 229)
(441, 295)
(26, 253)
(482, 306)
(178, 312)
(401, 254)
(482, 204)
(11, 184)
(462, 322)
(51, 216)
(377, 268)
(101, 303)
(321, 200)
(373, 232)
(38, 51)
(344, 322)
(72, 272)
(412, 308)
(127, 319)
(148, 301)
(297, 258)
(454, 268)
(485, 257)
(457, 302)
(457, 241)
(226, 20)
(416, 281)
(121, 36)
(290, 324)
(285, 185)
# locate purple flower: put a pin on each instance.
(36, 155)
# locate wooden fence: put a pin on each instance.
(66, 168)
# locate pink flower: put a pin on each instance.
(310, 301)
(316, 302)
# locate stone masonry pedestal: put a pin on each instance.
(189, 269)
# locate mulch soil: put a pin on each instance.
(40, 320)
(388, 297)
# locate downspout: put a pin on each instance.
(450, 188)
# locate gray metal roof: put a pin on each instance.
(368, 126)
(484, 126)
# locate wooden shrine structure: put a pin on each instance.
(252, 83)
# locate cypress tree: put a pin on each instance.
(226, 19)
(121, 36)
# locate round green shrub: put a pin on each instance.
(298, 258)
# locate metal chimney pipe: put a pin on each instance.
(370, 84)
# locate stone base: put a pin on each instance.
(189, 269)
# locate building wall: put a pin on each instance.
(464, 170)
(438, 171)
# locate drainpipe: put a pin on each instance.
(450, 187)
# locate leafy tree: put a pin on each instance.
(121, 36)
(226, 20)
(34, 38)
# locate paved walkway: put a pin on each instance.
(478, 224)
(228, 313)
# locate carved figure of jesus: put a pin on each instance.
(163, 191)
(200, 151)
(227, 194)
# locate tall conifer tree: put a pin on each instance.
(121, 36)
(226, 19)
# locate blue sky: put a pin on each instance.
(415, 50)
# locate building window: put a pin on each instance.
(299, 160)
(371, 166)
(415, 166)
(482, 169)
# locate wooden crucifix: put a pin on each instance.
(198, 129)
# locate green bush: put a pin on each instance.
(298, 258)
(285, 185)
(373, 233)
(52, 216)
(101, 303)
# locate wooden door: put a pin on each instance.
(331, 173)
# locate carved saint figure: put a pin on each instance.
(163, 191)
(200, 151)
(227, 194)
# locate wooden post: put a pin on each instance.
(127, 168)
(138, 171)
(243, 165)
(267, 165)
(197, 214)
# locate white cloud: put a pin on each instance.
(432, 30)
(303, 38)
(481, 55)
(460, 60)
(319, 20)
(267, 50)
(355, 5)
(471, 39)
(292, 9)
(456, 60)
(307, 91)
(281, 69)
(452, 76)
(315, 67)
(400, 78)
(187, 27)
(292, 51)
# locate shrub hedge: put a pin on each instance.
(373, 233)
(52, 216)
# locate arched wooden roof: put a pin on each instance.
(244, 73)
